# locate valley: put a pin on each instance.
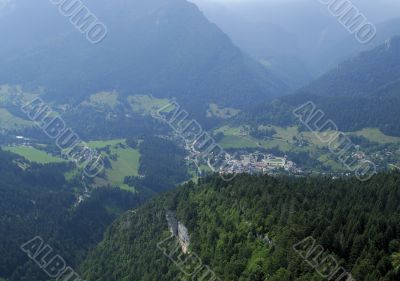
(260, 149)
(199, 140)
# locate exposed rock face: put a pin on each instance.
(172, 223)
(178, 230)
(183, 236)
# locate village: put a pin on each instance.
(246, 162)
(259, 163)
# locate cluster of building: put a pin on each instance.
(258, 163)
(21, 140)
(248, 162)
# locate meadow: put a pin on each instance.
(33, 154)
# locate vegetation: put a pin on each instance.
(224, 113)
(304, 147)
(104, 100)
(121, 161)
(10, 122)
(33, 154)
(39, 201)
(191, 59)
(146, 104)
(382, 66)
(361, 93)
(375, 135)
(162, 165)
(357, 222)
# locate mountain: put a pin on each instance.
(164, 48)
(257, 227)
(362, 75)
(301, 32)
(287, 36)
(270, 44)
(363, 92)
(37, 200)
(350, 47)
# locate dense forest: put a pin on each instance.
(379, 110)
(361, 75)
(36, 200)
(349, 97)
(247, 229)
(162, 165)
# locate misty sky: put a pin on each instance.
(304, 18)
(377, 10)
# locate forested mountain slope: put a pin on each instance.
(350, 47)
(362, 92)
(36, 200)
(165, 48)
(246, 230)
(363, 74)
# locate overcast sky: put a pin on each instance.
(377, 10)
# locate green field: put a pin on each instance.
(232, 131)
(376, 135)
(231, 141)
(103, 99)
(9, 94)
(11, 122)
(104, 143)
(143, 104)
(285, 134)
(237, 137)
(126, 163)
(34, 155)
(224, 113)
(291, 140)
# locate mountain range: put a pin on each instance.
(156, 211)
(156, 47)
(362, 92)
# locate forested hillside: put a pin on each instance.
(162, 165)
(362, 92)
(246, 230)
(363, 74)
(36, 200)
(349, 47)
(165, 48)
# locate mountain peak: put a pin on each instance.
(159, 47)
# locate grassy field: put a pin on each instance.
(34, 155)
(104, 143)
(102, 99)
(10, 94)
(285, 134)
(237, 137)
(224, 113)
(11, 122)
(315, 140)
(231, 141)
(376, 135)
(232, 131)
(146, 104)
(126, 163)
(327, 161)
(72, 174)
(288, 140)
